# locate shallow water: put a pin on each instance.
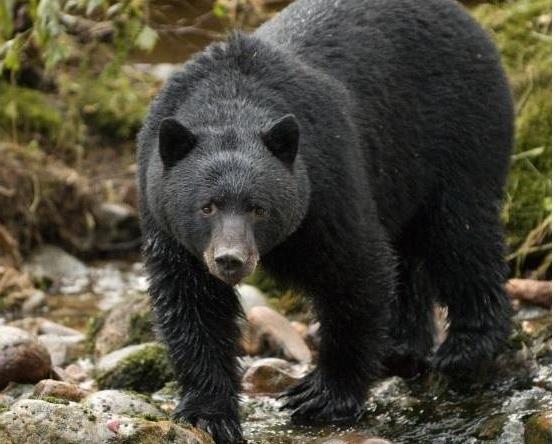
(424, 410)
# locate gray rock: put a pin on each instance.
(63, 349)
(116, 402)
(22, 357)
(37, 421)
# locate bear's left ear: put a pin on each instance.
(282, 138)
(175, 141)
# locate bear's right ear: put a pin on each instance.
(282, 138)
(175, 141)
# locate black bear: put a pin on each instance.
(358, 150)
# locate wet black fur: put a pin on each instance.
(392, 202)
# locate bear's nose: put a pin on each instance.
(229, 261)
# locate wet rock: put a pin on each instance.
(353, 438)
(53, 265)
(270, 332)
(269, 376)
(143, 368)
(492, 427)
(22, 357)
(116, 402)
(31, 421)
(58, 389)
(251, 297)
(129, 322)
(537, 429)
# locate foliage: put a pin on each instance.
(522, 32)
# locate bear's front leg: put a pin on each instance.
(352, 304)
(197, 316)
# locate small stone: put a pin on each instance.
(58, 389)
(267, 327)
(251, 297)
(22, 357)
(76, 373)
(269, 376)
(143, 368)
(538, 429)
(116, 402)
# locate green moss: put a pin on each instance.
(28, 110)
(142, 327)
(145, 371)
(114, 107)
(522, 32)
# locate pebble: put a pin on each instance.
(58, 389)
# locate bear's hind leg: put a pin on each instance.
(465, 258)
(412, 321)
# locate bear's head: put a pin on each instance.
(229, 195)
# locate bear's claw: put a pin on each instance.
(312, 402)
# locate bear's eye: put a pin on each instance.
(259, 212)
(208, 209)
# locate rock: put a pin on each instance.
(537, 429)
(149, 432)
(63, 349)
(129, 322)
(116, 402)
(75, 373)
(269, 376)
(34, 421)
(353, 438)
(251, 297)
(53, 265)
(58, 389)
(15, 392)
(143, 368)
(266, 326)
(63, 343)
(492, 427)
(22, 357)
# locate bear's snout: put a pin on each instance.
(230, 264)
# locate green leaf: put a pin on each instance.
(147, 38)
(220, 10)
(6, 18)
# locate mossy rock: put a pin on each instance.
(129, 322)
(143, 368)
